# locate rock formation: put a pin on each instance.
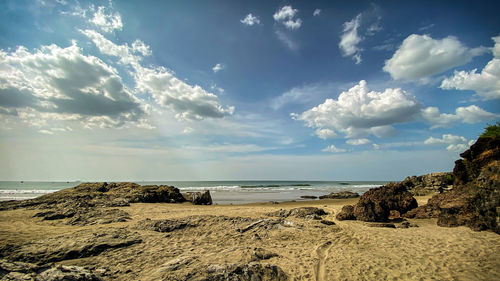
(429, 184)
(340, 195)
(199, 198)
(376, 203)
(474, 200)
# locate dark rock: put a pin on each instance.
(388, 225)
(308, 197)
(262, 254)
(406, 224)
(244, 272)
(376, 203)
(340, 195)
(327, 222)
(347, 213)
(199, 198)
(475, 197)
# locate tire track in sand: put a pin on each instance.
(319, 267)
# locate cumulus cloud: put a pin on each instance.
(333, 149)
(188, 102)
(325, 133)
(470, 114)
(316, 12)
(358, 141)
(62, 83)
(420, 56)
(250, 20)
(107, 22)
(454, 143)
(350, 39)
(286, 16)
(486, 83)
(359, 112)
(218, 67)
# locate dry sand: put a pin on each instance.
(305, 249)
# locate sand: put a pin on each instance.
(305, 249)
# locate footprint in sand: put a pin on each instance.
(322, 253)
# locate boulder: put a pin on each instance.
(340, 195)
(347, 213)
(199, 198)
(375, 204)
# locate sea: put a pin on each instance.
(222, 192)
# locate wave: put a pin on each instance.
(27, 191)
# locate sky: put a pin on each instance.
(243, 90)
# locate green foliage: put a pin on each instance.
(491, 131)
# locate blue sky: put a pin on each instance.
(215, 90)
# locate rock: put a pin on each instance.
(327, 222)
(262, 254)
(165, 225)
(82, 244)
(429, 184)
(243, 272)
(26, 271)
(347, 213)
(308, 197)
(475, 198)
(199, 198)
(67, 273)
(406, 224)
(388, 225)
(376, 203)
(302, 212)
(340, 195)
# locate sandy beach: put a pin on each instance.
(214, 237)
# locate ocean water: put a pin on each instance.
(223, 192)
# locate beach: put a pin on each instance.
(214, 238)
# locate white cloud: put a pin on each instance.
(350, 39)
(333, 149)
(486, 84)
(63, 84)
(420, 56)
(140, 47)
(317, 12)
(188, 102)
(286, 16)
(359, 112)
(250, 20)
(358, 141)
(454, 143)
(107, 22)
(470, 114)
(45, 132)
(218, 67)
(325, 133)
(292, 45)
(300, 95)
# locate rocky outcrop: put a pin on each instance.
(429, 184)
(302, 212)
(340, 195)
(83, 244)
(375, 205)
(165, 225)
(26, 271)
(243, 272)
(475, 198)
(198, 198)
